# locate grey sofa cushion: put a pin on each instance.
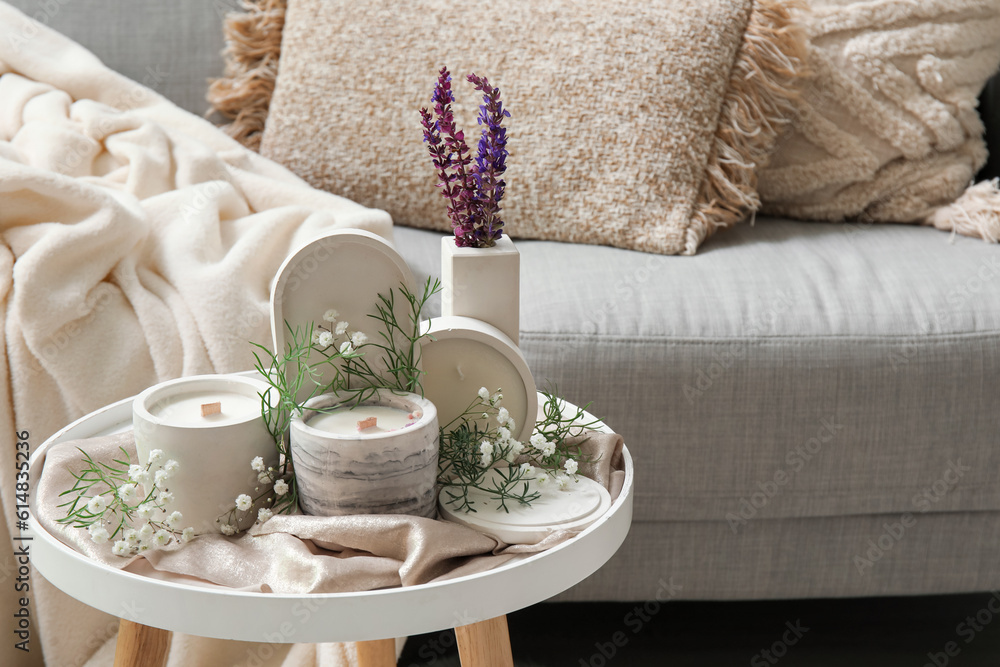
(172, 47)
(788, 370)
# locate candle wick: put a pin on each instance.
(211, 408)
(370, 422)
(458, 368)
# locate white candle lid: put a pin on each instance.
(579, 505)
(345, 269)
(452, 387)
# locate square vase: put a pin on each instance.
(483, 283)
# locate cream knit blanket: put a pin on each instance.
(138, 244)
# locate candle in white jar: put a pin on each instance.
(363, 419)
(206, 408)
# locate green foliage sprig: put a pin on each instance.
(478, 451)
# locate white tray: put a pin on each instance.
(193, 607)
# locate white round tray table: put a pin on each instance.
(475, 605)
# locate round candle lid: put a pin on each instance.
(346, 270)
(575, 508)
(463, 354)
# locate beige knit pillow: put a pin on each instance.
(635, 124)
(887, 129)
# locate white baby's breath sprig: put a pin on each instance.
(479, 450)
(110, 499)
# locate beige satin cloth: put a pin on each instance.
(314, 554)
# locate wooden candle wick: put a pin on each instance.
(370, 422)
(211, 408)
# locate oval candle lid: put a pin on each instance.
(464, 354)
(583, 502)
(345, 269)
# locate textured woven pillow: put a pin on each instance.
(887, 129)
(635, 124)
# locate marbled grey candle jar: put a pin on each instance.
(393, 472)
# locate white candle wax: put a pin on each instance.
(185, 409)
(354, 420)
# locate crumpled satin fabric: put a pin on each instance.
(313, 554)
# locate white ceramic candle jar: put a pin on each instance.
(213, 427)
(379, 457)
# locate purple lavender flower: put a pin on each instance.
(491, 161)
(474, 190)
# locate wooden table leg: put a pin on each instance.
(141, 645)
(485, 644)
(377, 653)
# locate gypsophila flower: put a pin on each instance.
(164, 497)
(563, 482)
(121, 548)
(99, 535)
(358, 338)
(527, 469)
(171, 466)
(537, 440)
(570, 466)
(97, 504)
(162, 538)
(502, 416)
(280, 487)
(315, 337)
(543, 478)
(243, 502)
(174, 519)
(142, 547)
(131, 537)
(228, 529)
(135, 473)
(514, 450)
(160, 477)
(263, 514)
(145, 533)
(257, 463)
(326, 339)
(145, 510)
(155, 455)
(126, 493)
(341, 328)
(345, 348)
(484, 393)
(331, 315)
(504, 433)
(187, 534)
(264, 478)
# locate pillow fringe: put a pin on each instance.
(253, 49)
(759, 102)
(975, 213)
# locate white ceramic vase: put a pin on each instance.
(213, 453)
(392, 472)
(483, 283)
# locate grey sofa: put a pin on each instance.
(814, 409)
